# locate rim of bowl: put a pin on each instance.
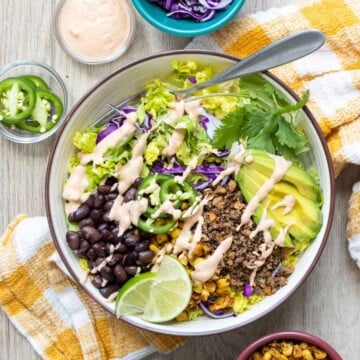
(289, 335)
(194, 52)
(212, 25)
(85, 59)
(35, 139)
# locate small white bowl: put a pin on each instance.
(56, 85)
(112, 90)
(66, 46)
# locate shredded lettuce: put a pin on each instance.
(95, 174)
(243, 303)
(86, 140)
(154, 148)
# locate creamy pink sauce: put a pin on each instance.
(281, 167)
(223, 175)
(95, 28)
(288, 202)
(207, 268)
(175, 113)
(174, 143)
(132, 170)
(117, 137)
(194, 109)
(167, 207)
(192, 165)
(127, 213)
(182, 242)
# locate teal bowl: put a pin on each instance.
(157, 17)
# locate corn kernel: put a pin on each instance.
(168, 248)
(267, 356)
(297, 352)
(197, 288)
(307, 354)
(184, 260)
(161, 238)
(320, 355)
(221, 283)
(182, 317)
(304, 345)
(204, 295)
(175, 233)
(210, 287)
(154, 248)
(286, 348)
(257, 356)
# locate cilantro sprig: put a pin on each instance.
(267, 130)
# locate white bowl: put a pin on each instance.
(112, 90)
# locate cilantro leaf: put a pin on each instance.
(230, 130)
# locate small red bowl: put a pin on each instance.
(289, 335)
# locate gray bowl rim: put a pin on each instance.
(188, 52)
(289, 335)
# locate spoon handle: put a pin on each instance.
(278, 53)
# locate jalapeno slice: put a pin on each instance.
(17, 100)
(155, 180)
(156, 226)
(47, 112)
(180, 193)
(36, 80)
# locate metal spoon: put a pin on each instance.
(280, 52)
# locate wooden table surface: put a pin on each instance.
(327, 304)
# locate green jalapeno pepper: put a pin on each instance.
(36, 80)
(17, 100)
(46, 113)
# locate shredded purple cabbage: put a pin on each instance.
(218, 314)
(118, 120)
(248, 290)
(192, 79)
(196, 10)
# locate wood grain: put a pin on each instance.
(327, 303)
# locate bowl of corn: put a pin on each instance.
(288, 345)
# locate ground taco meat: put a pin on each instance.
(222, 216)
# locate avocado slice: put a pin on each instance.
(305, 217)
(298, 177)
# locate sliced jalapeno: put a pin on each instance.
(46, 113)
(36, 80)
(156, 226)
(17, 100)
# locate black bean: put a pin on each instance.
(107, 273)
(112, 196)
(104, 189)
(120, 273)
(129, 259)
(108, 205)
(96, 215)
(73, 240)
(144, 235)
(145, 257)
(86, 222)
(91, 234)
(130, 195)
(131, 270)
(99, 261)
(80, 213)
(100, 249)
(131, 239)
(102, 226)
(91, 254)
(97, 281)
(98, 201)
(137, 182)
(121, 248)
(90, 201)
(109, 290)
(116, 259)
(117, 238)
(111, 181)
(84, 247)
(106, 235)
(142, 246)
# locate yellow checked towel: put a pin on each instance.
(332, 74)
(60, 321)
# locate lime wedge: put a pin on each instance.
(156, 297)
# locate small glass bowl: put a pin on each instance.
(56, 85)
(89, 60)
